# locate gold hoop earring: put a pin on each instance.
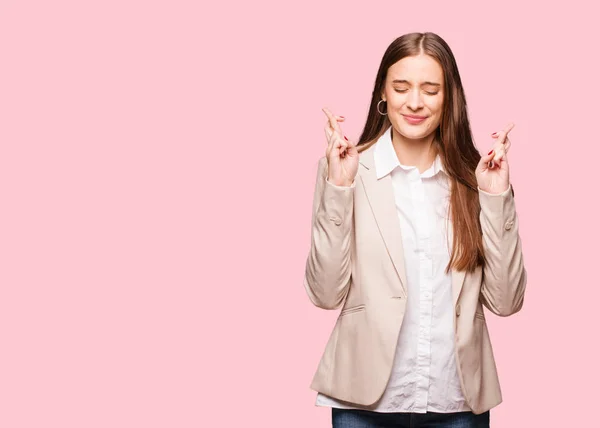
(380, 101)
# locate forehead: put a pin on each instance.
(416, 69)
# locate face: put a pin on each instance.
(414, 96)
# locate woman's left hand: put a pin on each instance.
(492, 171)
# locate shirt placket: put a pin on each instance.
(423, 248)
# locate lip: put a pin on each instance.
(413, 119)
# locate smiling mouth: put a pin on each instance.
(414, 120)
(414, 117)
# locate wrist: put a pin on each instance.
(340, 183)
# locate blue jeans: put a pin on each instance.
(354, 418)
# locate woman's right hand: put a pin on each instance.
(342, 154)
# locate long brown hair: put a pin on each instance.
(453, 140)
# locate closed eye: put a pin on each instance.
(405, 90)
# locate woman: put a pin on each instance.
(413, 232)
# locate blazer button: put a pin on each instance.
(458, 310)
(509, 225)
(336, 220)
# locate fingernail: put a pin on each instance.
(494, 134)
(342, 117)
(491, 151)
(345, 138)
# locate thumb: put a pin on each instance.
(351, 149)
(483, 162)
(489, 156)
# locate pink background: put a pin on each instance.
(157, 166)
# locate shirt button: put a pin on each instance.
(509, 225)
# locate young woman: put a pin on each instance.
(413, 232)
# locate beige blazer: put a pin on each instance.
(356, 262)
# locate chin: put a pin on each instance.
(413, 132)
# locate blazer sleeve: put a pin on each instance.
(504, 274)
(328, 266)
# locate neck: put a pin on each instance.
(414, 152)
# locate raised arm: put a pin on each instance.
(504, 274)
(328, 267)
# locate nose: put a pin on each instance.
(415, 99)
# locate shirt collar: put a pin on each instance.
(386, 160)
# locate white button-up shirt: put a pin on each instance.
(424, 376)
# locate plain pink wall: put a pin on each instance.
(157, 166)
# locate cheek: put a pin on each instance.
(396, 100)
(437, 107)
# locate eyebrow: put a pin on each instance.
(424, 83)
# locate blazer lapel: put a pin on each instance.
(380, 194)
(458, 279)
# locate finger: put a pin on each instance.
(343, 148)
(487, 165)
(498, 155)
(505, 131)
(334, 146)
(498, 145)
(504, 163)
(352, 148)
(332, 121)
(509, 128)
(330, 144)
(502, 135)
(349, 142)
(484, 161)
(328, 132)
